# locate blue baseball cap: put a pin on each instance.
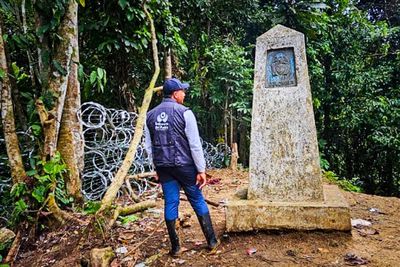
(174, 84)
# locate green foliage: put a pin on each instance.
(227, 160)
(44, 179)
(18, 190)
(2, 74)
(50, 180)
(4, 247)
(18, 73)
(52, 13)
(59, 68)
(353, 56)
(36, 130)
(17, 199)
(6, 205)
(322, 158)
(355, 86)
(343, 183)
(117, 39)
(96, 79)
(20, 207)
(23, 81)
(91, 207)
(128, 219)
(222, 81)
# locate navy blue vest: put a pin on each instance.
(166, 125)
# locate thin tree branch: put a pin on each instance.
(130, 155)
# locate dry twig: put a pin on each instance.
(210, 202)
(132, 194)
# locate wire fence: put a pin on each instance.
(108, 134)
(26, 141)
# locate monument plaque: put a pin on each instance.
(285, 186)
(281, 68)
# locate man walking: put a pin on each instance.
(172, 140)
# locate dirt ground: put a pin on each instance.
(145, 241)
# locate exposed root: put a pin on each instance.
(13, 252)
(61, 216)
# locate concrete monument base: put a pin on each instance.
(331, 214)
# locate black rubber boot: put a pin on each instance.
(208, 230)
(173, 237)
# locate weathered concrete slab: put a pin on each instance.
(331, 214)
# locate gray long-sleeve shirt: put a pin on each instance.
(192, 134)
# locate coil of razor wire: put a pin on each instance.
(27, 148)
(108, 134)
(107, 137)
(5, 177)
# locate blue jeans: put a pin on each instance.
(171, 189)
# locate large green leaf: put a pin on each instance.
(93, 77)
(122, 3)
(59, 68)
(100, 73)
(128, 219)
(39, 193)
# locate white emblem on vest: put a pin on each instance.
(161, 124)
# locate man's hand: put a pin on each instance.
(201, 179)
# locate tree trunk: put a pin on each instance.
(28, 51)
(244, 144)
(233, 139)
(226, 118)
(19, 114)
(43, 62)
(234, 157)
(59, 78)
(130, 155)
(167, 64)
(70, 142)
(7, 117)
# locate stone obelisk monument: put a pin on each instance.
(285, 185)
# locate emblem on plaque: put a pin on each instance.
(281, 68)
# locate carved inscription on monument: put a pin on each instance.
(281, 68)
